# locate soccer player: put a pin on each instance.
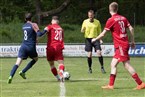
(28, 47)
(91, 28)
(55, 46)
(118, 25)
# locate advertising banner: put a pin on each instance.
(138, 51)
(79, 50)
(71, 50)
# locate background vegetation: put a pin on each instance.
(12, 33)
(71, 16)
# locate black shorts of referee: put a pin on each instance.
(89, 45)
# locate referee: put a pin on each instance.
(92, 28)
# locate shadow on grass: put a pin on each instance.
(82, 80)
(55, 81)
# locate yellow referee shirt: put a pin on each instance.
(91, 29)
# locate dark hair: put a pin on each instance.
(28, 16)
(55, 18)
(91, 11)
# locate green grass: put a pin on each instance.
(41, 83)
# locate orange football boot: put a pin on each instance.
(108, 87)
(141, 86)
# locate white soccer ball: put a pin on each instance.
(66, 75)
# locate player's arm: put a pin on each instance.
(83, 27)
(101, 41)
(99, 31)
(132, 36)
(101, 35)
(39, 34)
(35, 27)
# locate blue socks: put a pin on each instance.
(15, 67)
(30, 64)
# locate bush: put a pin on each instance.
(12, 33)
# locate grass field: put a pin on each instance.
(41, 83)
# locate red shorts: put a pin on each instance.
(54, 53)
(121, 53)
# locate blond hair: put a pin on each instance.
(113, 7)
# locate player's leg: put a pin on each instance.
(97, 47)
(54, 70)
(113, 74)
(114, 63)
(50, 52)
(31, 52)
(14, 69)
(60, 59)
(21, 55)
(100, 57)
(90, 61)
(28, 66)
(61, 67)
(88, 48)
(134, 75)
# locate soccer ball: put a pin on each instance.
(66, 75)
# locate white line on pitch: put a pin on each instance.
(62, 89)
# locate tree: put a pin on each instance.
(92, 4)
(38, 10)
(41, 13)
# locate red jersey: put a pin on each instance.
(55, 36)
(117, 24)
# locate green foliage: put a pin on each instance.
(72, 33)
(10, 9)
(12, 33)
(139, 33)
(75, 12)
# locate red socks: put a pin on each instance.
(137, 79)
(112, 79)
(134, 76)
(61, 67)
(54, 71)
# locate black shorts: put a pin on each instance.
(89, 45)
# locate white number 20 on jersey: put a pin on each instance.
(58, 35)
